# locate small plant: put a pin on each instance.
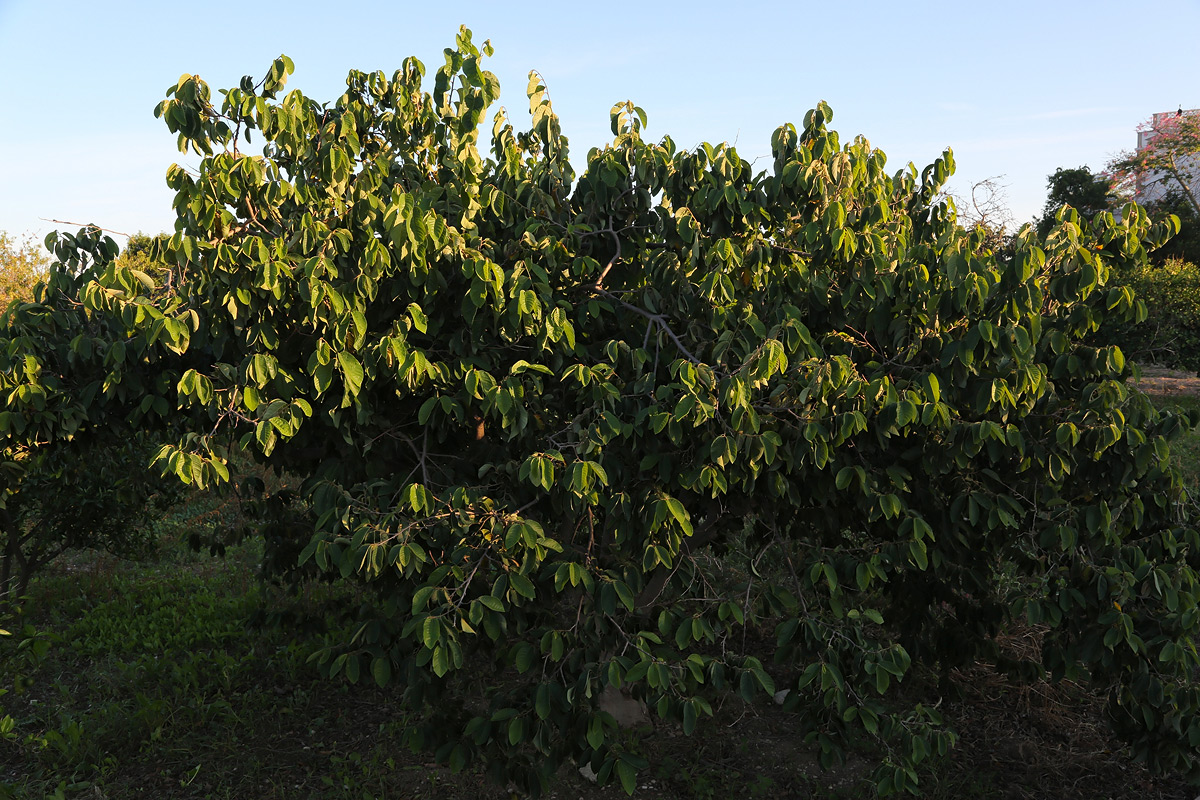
(149, 619)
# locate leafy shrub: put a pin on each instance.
(1170, 335)
(73, 468)
(599, 434)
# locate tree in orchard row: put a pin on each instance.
(79, 400)
(22, 265)
(589, 433)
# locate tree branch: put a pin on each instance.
(655, 319)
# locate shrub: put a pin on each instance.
(592, 434)
(73, 468)
(1170, 335)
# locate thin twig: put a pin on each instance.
(83, 225)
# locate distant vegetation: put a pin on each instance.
(1170, 334)
(22, 265)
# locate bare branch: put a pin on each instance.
(83, 225)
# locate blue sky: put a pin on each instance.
(1017, 90)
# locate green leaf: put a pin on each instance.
(352, 372)
(844, 476)
(421, 598)
(431, 631)
(441, 661)
(522, 585)
(689, 718)
(595, 732)
(381, 670)
(427, 409)
(637, 672)
(516, 730)
(627, 775)
(525, 657)
(746, 686)
(418, 317)
(624, 594)
(679, 513)
(360, 324)
(917, 552)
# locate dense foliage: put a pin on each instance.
(22, 265)
(611, 431)
(1079, 188)
(1185, 245)
(80, 400)
(1170, 334)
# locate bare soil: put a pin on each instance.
(1161, 382)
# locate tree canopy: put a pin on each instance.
(588, 434)
(82, 403)
(1079, 188)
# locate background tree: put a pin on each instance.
(1167, 159)
(79, 402)
(1079, 188)
(22, 265)
(1170, 334)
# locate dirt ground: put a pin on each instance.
(1168, 382)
